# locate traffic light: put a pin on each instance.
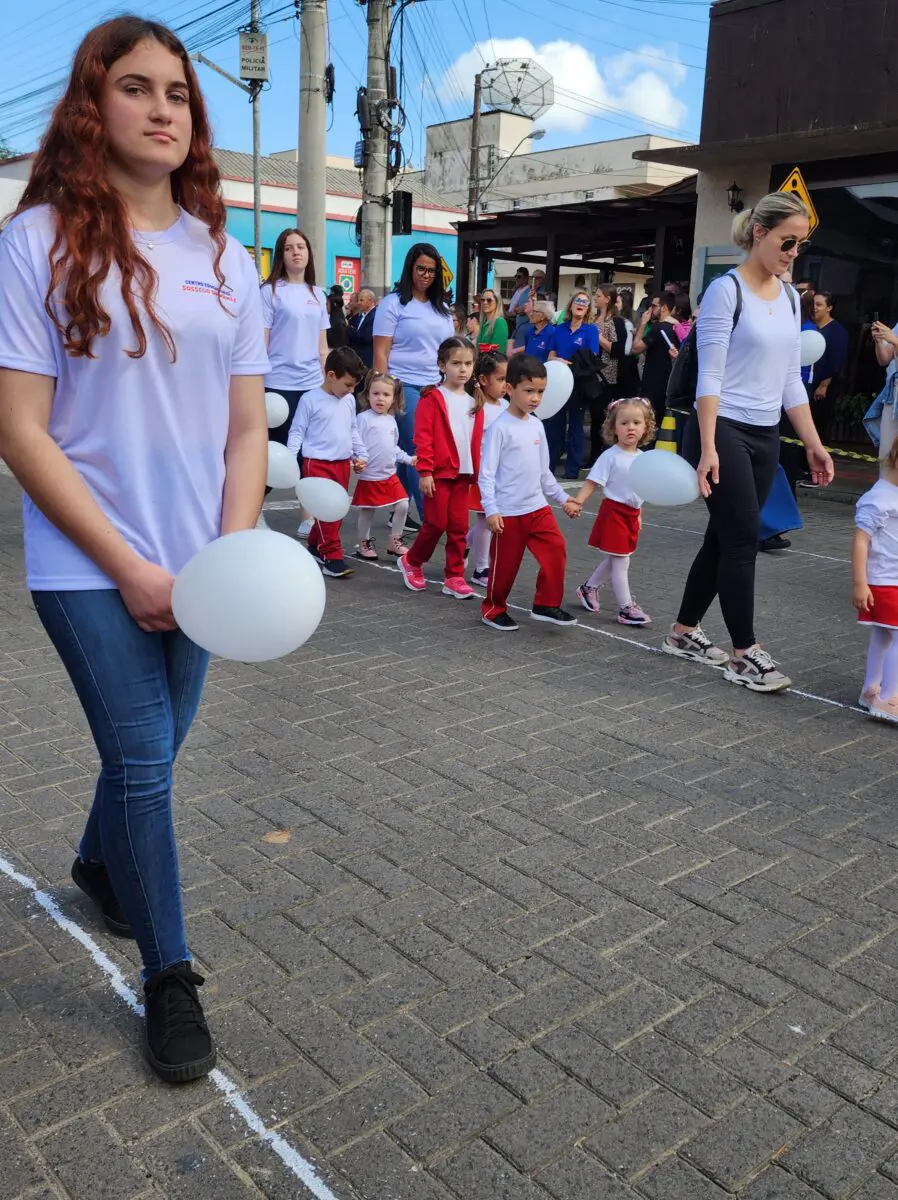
(402, 213)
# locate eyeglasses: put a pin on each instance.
(580, 300)
(425, 270)
(790, 243)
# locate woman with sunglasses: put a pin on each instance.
(409, 326)
(493, 331)
(564, 431)
(746, 375)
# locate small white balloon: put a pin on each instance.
(558, 389)
(323, 499)
(283, 469)
(813, 346)
(250, 596)
(662, 477)
(276, 409)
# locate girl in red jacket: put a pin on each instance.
(448, 433)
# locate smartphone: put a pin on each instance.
(876, 318)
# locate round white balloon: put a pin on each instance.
(813, 346)
(276, 409)
(558, 389)
(661, 477)
(283, 469)
(250, 596)
(323, 499)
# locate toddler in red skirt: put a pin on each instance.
(874, 566)
(378, 484)
(628, 425)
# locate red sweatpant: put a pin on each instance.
(325, 535)
(446, 511)
(537, 532)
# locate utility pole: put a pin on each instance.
(311, 159)
(474, 183)
(255, 92)
(377, 233)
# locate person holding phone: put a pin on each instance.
(656, 344)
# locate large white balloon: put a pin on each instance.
(558, 389)
(813, 347)
(250, 596)
(283, 469)
(276, 409)
(660, 477)
(323, 499)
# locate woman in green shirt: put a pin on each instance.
(493, 333)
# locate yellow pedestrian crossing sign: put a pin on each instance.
(448, 276)
(797, 186)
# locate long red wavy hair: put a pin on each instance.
(93, 231)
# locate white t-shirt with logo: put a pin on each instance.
(417, 330)
(296, 314)
(147, 435)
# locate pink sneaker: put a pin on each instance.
(867, 698)
(458, 587)
(632, 614)
(589, 598)
(367, 550)
(396, 546)
(412, 577)
(885, 710)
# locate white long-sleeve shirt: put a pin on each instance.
(877, 515)
(325, 427)
(755, 368)
(380, 435)
(514, 474)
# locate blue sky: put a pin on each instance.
(620, 66)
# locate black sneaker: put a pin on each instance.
(93, 879)
(412, 525)
(480, 578)
(316, 554)
(179, 1046)
(555, 616)
(501, 621)
(777, 542)
(336, 568)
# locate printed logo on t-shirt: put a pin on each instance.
(209, 289)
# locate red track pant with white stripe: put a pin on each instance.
(537, 532)
(325, 535)
(446, 511)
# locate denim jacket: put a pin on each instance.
(887, 397)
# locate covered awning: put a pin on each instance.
(651, 234)
(849, 141)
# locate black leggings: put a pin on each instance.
(725, 564)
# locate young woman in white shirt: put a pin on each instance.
(132, 414)
(746, 375)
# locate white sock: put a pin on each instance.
(889, 687)
(366, 516)
(400, 512)
(880, 640)
(480, 543)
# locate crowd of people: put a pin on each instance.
(135, 349)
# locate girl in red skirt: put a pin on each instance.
(378, 484)
(874, 565)
(489, 394)
(629, 424)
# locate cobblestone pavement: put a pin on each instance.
(539, 917)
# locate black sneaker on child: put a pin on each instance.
(179, 1046)
(555, 616)
(501, 621)
(335, 568)
(412, 524)
(94, 881)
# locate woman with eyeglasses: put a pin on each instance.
(493, 331)
(564, 431)
(409, 326)
(747, 373)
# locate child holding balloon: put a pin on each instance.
(628, 425)
(326, 431)
(448, 434)
(489, 394)
(874, 564)
(378, 485)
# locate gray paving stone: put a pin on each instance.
(742, 1142)
(838, 1156)
(646, 1132)
(578, 1176)
(697, 1080)
(108, 1170)
(456, 1115)
(676, 1180)
(542, 1129)
(477, 1170)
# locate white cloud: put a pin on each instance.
(638, 83)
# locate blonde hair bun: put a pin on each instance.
(770, 211)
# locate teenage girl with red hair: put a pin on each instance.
(132, 414)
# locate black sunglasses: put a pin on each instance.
(790, 243)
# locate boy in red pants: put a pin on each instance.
(325, 428)
(514, 481)
(448, 433)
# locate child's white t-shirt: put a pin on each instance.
(611, 471)
(876, 514)
(380, 433)
(147, 435)
(296, 315)
(492, 412)
(461, 422)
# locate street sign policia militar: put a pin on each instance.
(253, 56)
